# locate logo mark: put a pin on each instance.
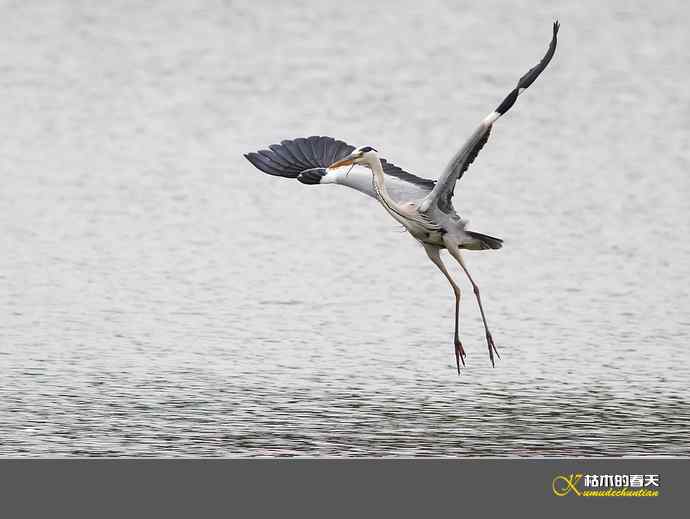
(564, 485)
(606, 485)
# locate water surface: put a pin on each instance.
(161, 297)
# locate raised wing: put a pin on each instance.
(442, 193)
(307, 159)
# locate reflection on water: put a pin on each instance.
(160, 297)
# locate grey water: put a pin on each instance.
(161, 297)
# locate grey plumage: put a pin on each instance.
(292, 157)
(443, 190)
(423, 206)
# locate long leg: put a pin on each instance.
(434, 254)
(489, 339)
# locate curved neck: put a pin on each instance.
(380, 186)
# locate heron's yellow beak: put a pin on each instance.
(347, 161)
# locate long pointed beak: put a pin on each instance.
(347, 161)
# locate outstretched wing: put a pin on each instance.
(291, 157)
(307, 160)
(443, 191)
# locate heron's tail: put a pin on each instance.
(482, 242)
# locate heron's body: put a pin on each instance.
(423, 206)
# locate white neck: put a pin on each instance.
(379, 184)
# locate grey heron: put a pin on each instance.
(421, 205)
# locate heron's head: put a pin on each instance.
(361, 155)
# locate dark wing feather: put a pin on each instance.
(293, 149)
(305, 148)
(391, 169)
(291, 157)
(274, 157)
(314, 143)
(443, 190)
(444, 203)
(340, 151)
(266, 165)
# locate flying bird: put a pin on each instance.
(423, 206)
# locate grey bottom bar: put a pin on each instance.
(352, 488)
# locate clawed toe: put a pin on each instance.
(459, 354)
(492, 348)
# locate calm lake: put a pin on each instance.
(159, 296)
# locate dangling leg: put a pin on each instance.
(455, 252)
(434, 254)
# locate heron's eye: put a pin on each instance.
(367, 149)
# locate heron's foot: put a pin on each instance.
(492, 348)
(459, 354)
